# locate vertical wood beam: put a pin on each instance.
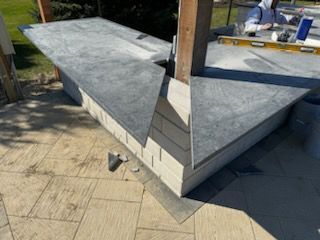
(46, 14)
(45, 10)
(7, 81)
(193, 32)
(99, 8)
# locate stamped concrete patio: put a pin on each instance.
(54, 184)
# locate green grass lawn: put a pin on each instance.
(219, 16)
(29, 61)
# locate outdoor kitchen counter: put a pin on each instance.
(242, 88)
(113, 64)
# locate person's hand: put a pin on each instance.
(266, 26)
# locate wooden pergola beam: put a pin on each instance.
(45, 10)
(6, 51)
(7, 83)
(46, 14)
(193, 32)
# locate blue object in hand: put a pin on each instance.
(303, 29)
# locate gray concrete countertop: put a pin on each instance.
(240, 89)
(113, 64)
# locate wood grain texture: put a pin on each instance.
(128, 176)
(5, 233)
(3, 215)
(223, 217)
(6, 75)
(186, 37)
(119, 190)
(80, 128)
(24, 157)
(40, 229)
(3, 148)
(146, 234)
(109, 220)
(104, 138)
(96, 165)
(193, 32)
(46, 13)
(56, 166)
(64, 199)
(5, 40)
(21, 191)
(46, 134)
(69, 147)
(154, 216)
(45, 10)
(204, 16)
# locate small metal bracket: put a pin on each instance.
(114, 160)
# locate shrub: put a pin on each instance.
(158, 18)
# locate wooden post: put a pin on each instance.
(193, 32)
(229, 12)
(99, 8)
(7, 83)
(45, 10)
(47, 16)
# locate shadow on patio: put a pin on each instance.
(279, 201)
(270, 192)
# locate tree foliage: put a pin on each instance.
(72, 9)
(158, 18)
(69, 9)
(154, 17)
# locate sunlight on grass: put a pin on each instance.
(219, 16)
(29, 61)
